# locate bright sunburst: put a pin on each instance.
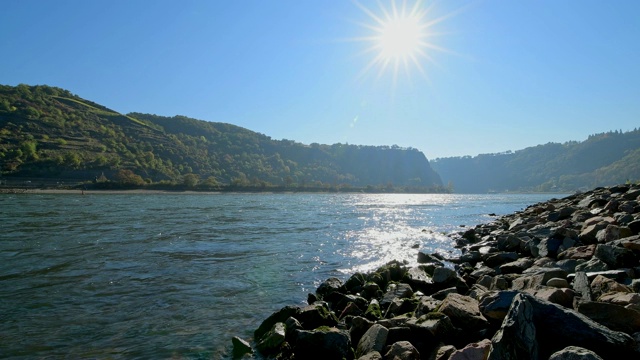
(400, 38)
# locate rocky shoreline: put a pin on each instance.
(558, 280)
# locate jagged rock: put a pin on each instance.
(516, 267)
(419, 278)
(499, 258)
(436, 324)
(394, 291)
(634, 226)
(558, 327)
(593, 265)
(582, 287)
(374, 355)
(240, 347)
(443, 352)
(608, 234)
(474, 351)
(574, 353)
(621, 298)
(562, 297)
(516, 338)
(424, 258)
(402, 350)
(358, 326)
(279, 316)
(373, 340)
(569, 265)
(509, 242)
(602, 285)
(313, 316)
(463, 311)
(292, 325)
(443, 275)
(273, 339)
(328, 286)
(549, 247)
(355, 282)
(579, 252)
(324, 343)
(631, 243)
(373, 311)
(494, 305)
(615, 256)
(615, 317)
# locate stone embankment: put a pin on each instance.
(558, 280)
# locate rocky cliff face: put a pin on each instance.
(559, 280)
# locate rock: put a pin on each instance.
(373, 310)
(549, 247)
(313, 316)
(443, 275)
(424, 258)
(602, 285)
(516, 267)
(516, 338)
(500, 258)
(358, 326)
(374, 355)
(240, 347)
(558, 327)
(271, 341)
(402, 350)
(593, 265)
(373, 340)
(620, 298)
(396, 291)
(634, 226)
(436, 324)
(574, 353)
(419, 278)
(615, 256)
(562, 297)
(608, 234)
(324, 343)
(495, 304)
(558, 283)
(443, 352)
(579, 252)
(615, 317)
(464, 312)
(474, 351)
(279, 316)
(328, 286)
(582, 287)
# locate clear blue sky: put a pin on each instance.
(497, 75)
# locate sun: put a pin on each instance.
(401, 37)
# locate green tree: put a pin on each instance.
(190, 180)
(128, 177)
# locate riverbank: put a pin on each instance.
(558, 278)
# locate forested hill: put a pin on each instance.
(601, 160)
(49, 133)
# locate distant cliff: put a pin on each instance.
(49, 133)
(602, 160)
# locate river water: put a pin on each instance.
(157, 276)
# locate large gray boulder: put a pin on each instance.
(516, 339)
(373, 340)
(615, 317)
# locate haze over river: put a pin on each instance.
(177, 275)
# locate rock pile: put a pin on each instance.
(558, 280)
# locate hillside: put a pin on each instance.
(602, 160)
(51, 135)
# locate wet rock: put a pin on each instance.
(240, 347)
(272, 340)
(329, 286)
(279, 316)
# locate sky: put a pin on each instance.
(450, 78)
